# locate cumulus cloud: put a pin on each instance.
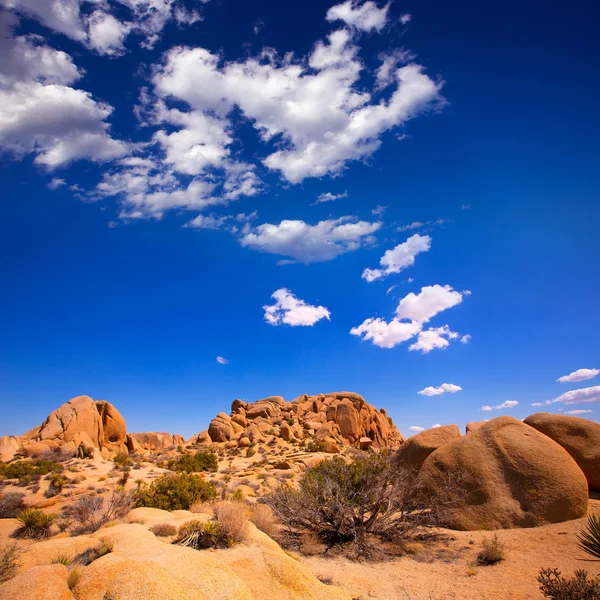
(365, 17)
(581, 396)
(577, 412)
(56, 183)
(311, 243)
(436, 426)
(507, 404)
(222, 361)
(431, 301)
(405, 18)
(579, 375)
(538, 404)
(329, 197)
(416, 428)
(465, 339)
(290, 310)
(434, 337)
(399, 258)
(436, 391)
(386, 334)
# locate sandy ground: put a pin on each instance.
(424, 577)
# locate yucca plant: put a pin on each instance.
(34, 524)
(200, 535)
(589, 538)
(63, 559)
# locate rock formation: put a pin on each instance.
(152, 440)
(337, 419)
(579, 437)
(417, 448)
(80, 423)
(507, 474)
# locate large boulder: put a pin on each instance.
(506, 475)
(44, 582)
(413, 452)
(579, 437)
(83, 421)
(220, 428)
(9, 446)
(157, 440)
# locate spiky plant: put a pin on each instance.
(589, 538)
(63, 559)
(34, 524)
(200, 535)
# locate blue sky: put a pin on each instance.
(159, 160)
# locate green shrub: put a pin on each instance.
(24, 468)
(492, 552)
(202, 460)
(175, 492)
(9, 562)
(34, 524)
(316, 445)
(121, 459)
(11, 504)
(589, 538)
(201, 535)
(63, 559)
(554, 585)
(57, 483)
(163, 530)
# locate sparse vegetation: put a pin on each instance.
(9, 562)
(63, 559)
(201, 535)
(90, 512)
(202, 460)
(73, 578)
(25, 468)
(163, 530)
(175, 492)
(316, 445)
(57, 482)
(121, 459)
(589, 538)
(492, 552)
(11, 504)
(579, 587)
(262, 516)
(349, 502)
(35, 524)
(232, 520)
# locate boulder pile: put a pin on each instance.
(336, 419)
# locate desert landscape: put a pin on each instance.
(319, 497)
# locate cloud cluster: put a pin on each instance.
(311, 243)
(579, 375)
(436, 391)
(399, 258)
(581, 396)
(412, 312)
(507, 404)
(290, 310)
(366, 17)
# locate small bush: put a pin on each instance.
(237, 496)
(163, 530)
(57, 483)
(316, 445)
(121, 459)
(9, 562)
(175, 492)
(200, 535)
(63, 559)
(250, 452)
(202, 460)
(589, 538)
(22, 469)
(73, 578)
(105, 547)
(90, 512)
(264, 519)
(554, 585)
(11, 504)
(35, 524)
(492, 552)
(232, 520)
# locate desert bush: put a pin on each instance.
(262, 516)
(202, 460)
(554, 585)
(163, 530)
(200, 535)
(122, 481)
(90, 512)
(25, 468)
(237, 496)
(56, 455)
(63, 559)
(201, 507)
(372, 495)
(175, 492)
(589, 538)
(57, 483)
(316, 445)
(11, 504)
(492, 551)
(121, 459)
(35, 524)
(9, 562)
(73, 578)
(232, 519)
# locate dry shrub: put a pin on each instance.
(73, 578)
(90, 512)
(311, 544)
(554, 585)
(202, 508)
(201, 535)
(232, 519)
(9, 562)
(262, 516)
(163, 530)
(11, 504)
(492, 552)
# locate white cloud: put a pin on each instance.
(391, 288)
(379, 210)
(465, 339)
(431, 301)
(577, 412)
(222, 361)
(329, 197)
(384, 334)
(436, 426)
(436, 391)
(207, 222)
(56, 183)
(581, 396)
(538, 404)
(290, 310)
(366, 16)
(107, 34)
(579, 375)
(419, 225)
(405, 18)
(399, 258)
(416, 428)
(507, 404)
(311, 243)
(432, 338)
(285, 261)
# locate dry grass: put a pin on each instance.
(163, 530)
(262, 516)
(232, 519)
(202, 508)
(492, 552)
(311, 545)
